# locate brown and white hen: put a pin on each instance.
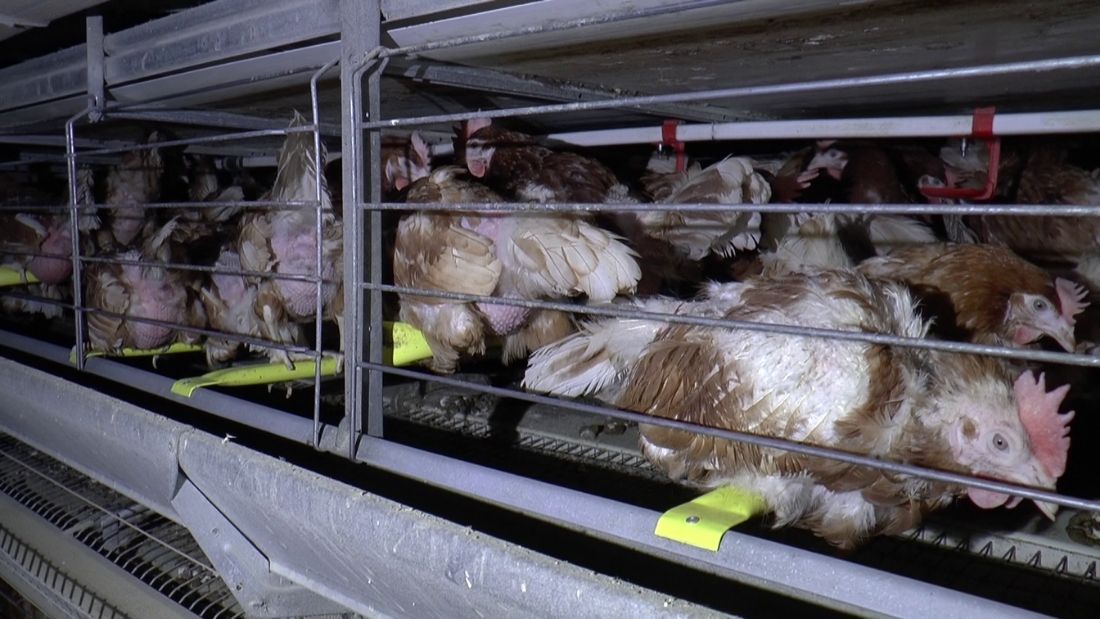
(146, 293)
(285, 242)
(518, 255)
(985, 294)
(946, 411)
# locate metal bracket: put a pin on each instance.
(96, 84)
(981, 129)
(243, 567)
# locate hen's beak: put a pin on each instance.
(1062, 332)
(1057, 326)
(1029, 474)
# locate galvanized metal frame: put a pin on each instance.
(361, 57)
(148, 455)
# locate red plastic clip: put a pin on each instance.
(981, 129)
(668, 138)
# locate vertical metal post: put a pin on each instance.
(74, 233)
(373, 165)
(360, 23)
(94, 35)
(319, 185)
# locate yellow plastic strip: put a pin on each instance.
(703, 521)
(15, 276)
(171, 349)
(404, 344)
(250, 375)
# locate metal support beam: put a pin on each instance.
(488, 80)
(243, 567)
(381, 558)
(94, 47)
(355, 42)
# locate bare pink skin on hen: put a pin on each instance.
(503, 319)
(155, 300)
(58, 242)
(296, 252)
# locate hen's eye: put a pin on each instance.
(1039, 304)
(1000, 442)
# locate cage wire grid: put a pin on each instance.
(363, 207)
(152, 548)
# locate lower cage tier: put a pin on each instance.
(1013, 557)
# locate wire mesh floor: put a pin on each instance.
(154, 549)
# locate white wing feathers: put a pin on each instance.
(696, 234)
(556, 257)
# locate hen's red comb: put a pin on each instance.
(1046, 429)
(1071, 298)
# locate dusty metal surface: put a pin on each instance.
(875, 39)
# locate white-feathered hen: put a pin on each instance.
(143, 292)
(518, 255)
(699, 233)
(285, 242)
(946, 411)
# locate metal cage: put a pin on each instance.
(303, 43)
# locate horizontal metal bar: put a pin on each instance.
(1039, 123)
(821, 578)
(626, 311)
(1011, 68)
(213, 270)
(1030, 210)
(26, 296)
(215, 32)
(272, 205)
(632, 12)
(206, 139)
(56, 140)
(488, 80)
(39, 79)
(1027, 492)
(225, 335)
(208, 118)
(267, 205)
(264, 418)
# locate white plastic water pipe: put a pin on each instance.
(1083, 121)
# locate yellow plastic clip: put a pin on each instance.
(404, 344)
(703, 521)
(250, 375)
(171, 349)
(11, 275)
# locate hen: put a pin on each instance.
(203, 224)
(231, 303)
(521, 255)
(284, 242)
(404, 161)
(134, 182)
(1041, 175)
(145, 292)
(985, 294)
(516, 166)
(42, 242)
(697, 234)
(947, 411)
